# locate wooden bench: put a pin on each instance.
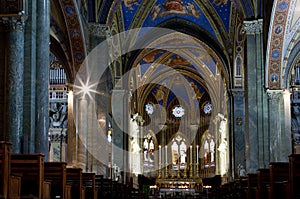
(5, 149)
(263, 181)
(252, 191)
(279, 175)
(89, 183)
(31, 169)
(74, 178)
(56, 173)
(294, 175)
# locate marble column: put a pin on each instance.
(15, 73)
(120, 116)
(254, 123)
(42, 77)
(194, 136)
(71, 132)
(287, 135)
(98, 33)
(29, 79)
(239, 127)
(82, 132)
(275, 133)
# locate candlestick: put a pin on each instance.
(166, 154)
(191, 157)
(159, 156)
(197, 154)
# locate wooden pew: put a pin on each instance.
(89, 183)
(56, 173)
(279, 174)
(74, 178)
(252, 186)
(263, 181)
(10, 185)
(31, 169)
(5, 148)
(294, 176)
(104, 186)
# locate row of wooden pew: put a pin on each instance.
(280, 181)
(28, 176)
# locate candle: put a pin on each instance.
(191, 157)
(197, 154)
(166, 154)
(159, 156)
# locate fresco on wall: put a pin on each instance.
(177, 7)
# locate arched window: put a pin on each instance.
(179, 155)
(149, 148)
(208, 148)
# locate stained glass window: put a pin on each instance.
(149, 109)
(178, 111)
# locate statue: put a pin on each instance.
(241, 171)
(146, 150)
(58, 113)
(223, 146)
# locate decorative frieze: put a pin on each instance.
(253, 27)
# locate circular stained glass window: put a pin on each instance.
(149, 109)
(207, 108)
(178, 111)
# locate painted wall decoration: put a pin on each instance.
(176, 7)
(275, 50)
(130, 3)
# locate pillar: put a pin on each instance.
(82, 132)
(275, 96)
(42, 77)
(239, 127)
(254, 96)
(15, 72)
(194, 166)
(29, 79)
(287, 135)
(280, 125)
(71, 132)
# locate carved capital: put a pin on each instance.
(274, 95)
(14, 22)
(237, 93)
(100, 30)
(253, 27)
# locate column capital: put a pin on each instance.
(274, 94)
(237, 92)
(253, 27)
(14, 22)
(100, 30)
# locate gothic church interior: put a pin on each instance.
(171, 91)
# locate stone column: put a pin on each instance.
(194, 166)
(120, 119)
(275, 133)
(15, 73)
(82, 131)
(254, 123)
(42, 77)
(29, 79)
(287, 135)
(239, 127)
(98, 33)
(71, 132)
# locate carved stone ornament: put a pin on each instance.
(14, 23)
(100, 30)
(252, 27)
